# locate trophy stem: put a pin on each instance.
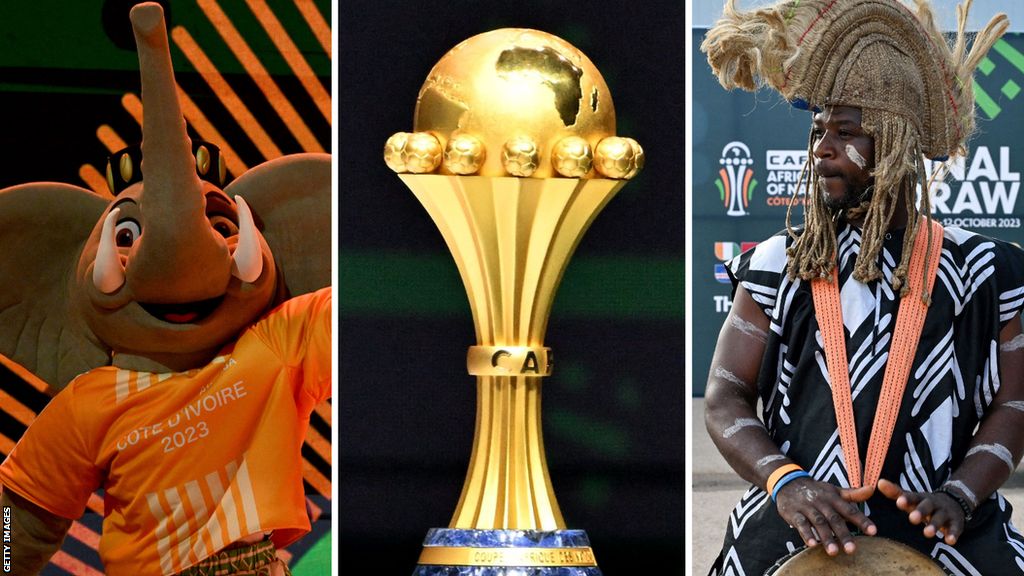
(508, 485)
(511, 239)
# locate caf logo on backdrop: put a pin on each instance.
(736, 181)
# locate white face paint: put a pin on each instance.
(740, 424)
(997, 450)
(729, 376)
(855, 156)
(769, 459)
(1016, 344)
(748, 328)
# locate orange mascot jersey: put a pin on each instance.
(189, 462)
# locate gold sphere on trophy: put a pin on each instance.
(520, 156)
(619, 158)
(572, 157)
(464, 154)
(393, 151)
(418, 153)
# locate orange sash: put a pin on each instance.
(909, 322)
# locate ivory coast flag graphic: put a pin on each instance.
(726, 250)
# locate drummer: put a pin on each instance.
(886, 350)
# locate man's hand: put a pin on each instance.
(937, 510)
(819, 511)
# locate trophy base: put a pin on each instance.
(461, 552)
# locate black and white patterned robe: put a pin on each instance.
(955, 375)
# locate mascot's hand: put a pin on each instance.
(35, 533)
(820, 511)
(938, 511)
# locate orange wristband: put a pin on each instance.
(779, 473)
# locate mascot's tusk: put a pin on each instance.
(247, 261)
(107, 271)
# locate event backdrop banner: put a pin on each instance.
(749, 149)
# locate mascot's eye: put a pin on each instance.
(126, 232)
(224, 226)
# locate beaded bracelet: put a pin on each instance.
(968, 513)
(787, 479)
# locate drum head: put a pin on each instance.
(875, 555)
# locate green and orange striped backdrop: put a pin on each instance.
(254, 77)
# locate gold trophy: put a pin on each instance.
(513, 154)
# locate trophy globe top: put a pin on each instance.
(515, 83)
(514, 102)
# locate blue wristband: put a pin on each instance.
(786, 480)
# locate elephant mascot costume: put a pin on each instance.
(187, 354)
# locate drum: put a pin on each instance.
(875, 555)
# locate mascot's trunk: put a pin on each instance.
(179, 257)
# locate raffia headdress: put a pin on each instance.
(913, 88)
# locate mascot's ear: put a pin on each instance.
(43, 227)
(292, 196)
